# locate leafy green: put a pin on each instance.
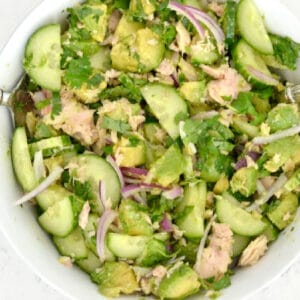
(78, 72)
(286, 51)
(222, 283)
(115, 125)
(158, 206)
(42, 104)
(166, 33)
(229, 22)
(134, 91)
(56, 104)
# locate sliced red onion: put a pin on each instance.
(175, 79)
(113, 163)
(202, 244)
(139, 198)
(205, 115)
(166, 224)
(129, 180)
(102, 195)
(38, 165)
(132, 189)
(105, 221)
(134, 172)
(242, 163)
(262, 76)
(211, 24)
(184, 11)
(254, 155)
(173, 193)
(53, 176)
(261, 140)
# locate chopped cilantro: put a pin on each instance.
(95, 80)
(56, 105)
(42, 104)
(115, 125)
(221, 283)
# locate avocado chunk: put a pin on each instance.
(293, 182)
(167, 169)
(283, 116)
(239, 244)
(283, 211)
(193, 91)
(144, 6)
(127, 27)
(181, 283)
(191, 210)
(115, 278)
(134, 218)
(100, 60)
(154, 253)
(271, 232)
(244, 181)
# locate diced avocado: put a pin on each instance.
(244, 181)
(283, 211)
(222, 185)
(154, 253)
(146, 6)
(181, 283)
(271, 232)
(94, 18)
(281, 151)
(283, 116)
(193, 91)
(167, 169)
(293, 182)
(89, 264)
(239, 244)
(127, 27)
(115, 278)
(131, 156)
(154, 133)
(150, 49)
(89, 95)
(100, 60)
(134, 218)
(203, 51)
(191, 210)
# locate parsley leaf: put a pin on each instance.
(56, 105)
(115, 125)
(78, 72)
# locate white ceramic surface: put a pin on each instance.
(33, 245)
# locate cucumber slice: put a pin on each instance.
(42, 57)
(126, 246)
(166, 105)
(246, 60)
(21, 160)
(51, 146)
(93, 168)
(252, 28)
(72, 245)
(89, 264)
(61, 218)
(240, 221)
(51, 195)
(239, 244)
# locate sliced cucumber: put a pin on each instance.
(93, 169)
(42, 57)
(240, 221)
(51, 195)
(21, 160)
(166, 105)
(126, 246)
(51, 146)
(72, 245)
(252, 28)
(89, 264)
(62, 217)
(249, 63)
(239, 244)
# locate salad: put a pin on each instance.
(155, 140)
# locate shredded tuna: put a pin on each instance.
(255, 250)
(228, 83)
(159, 271)
(183, 37)
(66, 261)
(84, 215)
(166, 68)
(216, 257)
(217, 8)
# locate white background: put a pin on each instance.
(17, 281)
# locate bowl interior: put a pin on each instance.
(19, 223)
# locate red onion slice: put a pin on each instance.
(166, 224)
(261, 140)
(262, 76)
(134, 172)
(132, 189)
(173, 193)
(105, 221)
(182, 10)
(53, 176)
(38, 165)
(102, 195)
(113, 163)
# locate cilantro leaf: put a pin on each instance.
(115, 125)
(134, 91)
(56, 105)
(286, 51)
(222, 283)
(166, 33)
(78, 72)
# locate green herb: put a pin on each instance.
(133, 141)
(108, 150)
(83, 190)
(134, 91)
(95, 80)
(221, 283)
(56, 105)
(166, 33)
(42, 104)
(78, 72)
(158, 206)
(115, 125)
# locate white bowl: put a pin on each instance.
(30, 241)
